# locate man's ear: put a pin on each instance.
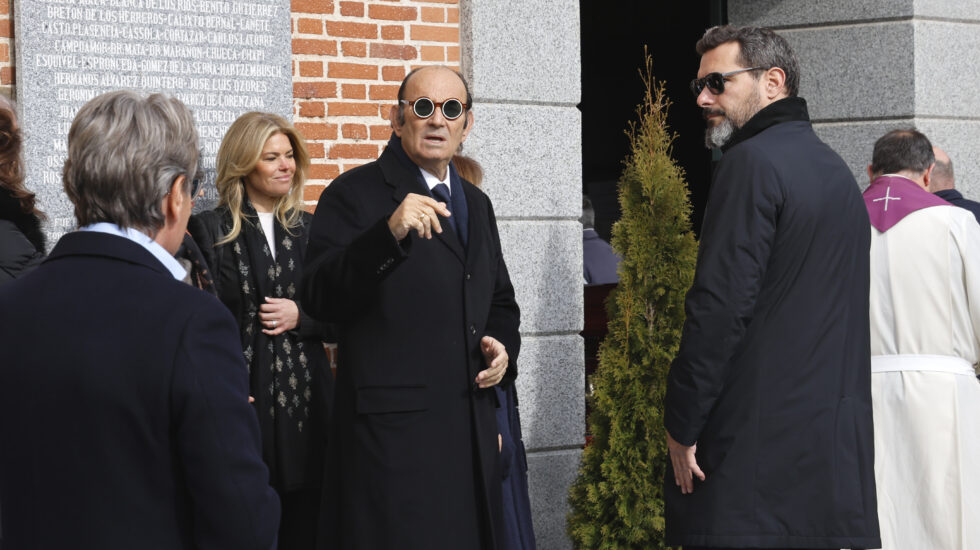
(174, 199)
(775, 82)
(871, 175)
(394, 117)
(927, 176)
(467, 124)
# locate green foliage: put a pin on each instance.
(617, 500)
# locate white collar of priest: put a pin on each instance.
(432, 180)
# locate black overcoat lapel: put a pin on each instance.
(404, 181)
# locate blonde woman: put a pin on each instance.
(254, 243)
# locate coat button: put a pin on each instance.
(473, 330)
(468, 276)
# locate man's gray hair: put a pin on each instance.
(903, 150)
(758, 47)
(124, 153)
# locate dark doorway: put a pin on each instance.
(613, 37)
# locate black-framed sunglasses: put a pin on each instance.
(716, 81)
(424, 107)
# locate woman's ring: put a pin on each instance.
(274, 323)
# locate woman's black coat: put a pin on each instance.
(21, 239)
(289, 472)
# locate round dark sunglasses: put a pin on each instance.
(716, 81)
(424, 107)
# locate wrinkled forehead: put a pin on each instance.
(436, 83)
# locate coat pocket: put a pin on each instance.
(391, 399)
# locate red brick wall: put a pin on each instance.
(348, 59)
(6, 43)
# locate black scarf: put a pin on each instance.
(787, 109)
(279, 367)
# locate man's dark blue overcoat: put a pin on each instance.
(773, 376)
(124, 415)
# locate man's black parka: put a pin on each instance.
(415, 455)
(772, 379)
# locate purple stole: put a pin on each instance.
(891, 198)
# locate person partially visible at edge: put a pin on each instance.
(925, 344)
(943, 184)
(518, 523)
(600, 262)
(405, 257)
(254, 243)
(768, 402)
(124, 410)
(22, 243)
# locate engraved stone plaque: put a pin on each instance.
(222, 58)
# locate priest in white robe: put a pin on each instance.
(925, 343)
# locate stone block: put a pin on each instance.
(854, 142)
(859, 71)
(948, 9)
(545, 263)
(946, 78)
(782, 13)
(550, 475)
(526, 51)
(959, 138)
(551, 391)
(531, 167)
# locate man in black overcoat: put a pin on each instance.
(405, 258)
(124, 415)
(768, 404)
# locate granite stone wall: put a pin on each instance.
(869, 66)
(524, 65)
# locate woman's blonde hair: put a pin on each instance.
(238, 155)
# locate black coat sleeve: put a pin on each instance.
(17, 255)
(737, 238)
(206, 229)
(310, 328)
(217, 437)
(351, 250)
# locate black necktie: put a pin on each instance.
(441, 193)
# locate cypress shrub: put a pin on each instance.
(617, 500)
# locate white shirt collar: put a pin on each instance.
(433, 181)
(144, 240)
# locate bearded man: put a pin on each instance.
(768, 405)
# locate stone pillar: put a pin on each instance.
(869, 67)
(523, 63)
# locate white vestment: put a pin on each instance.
(925, 325)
